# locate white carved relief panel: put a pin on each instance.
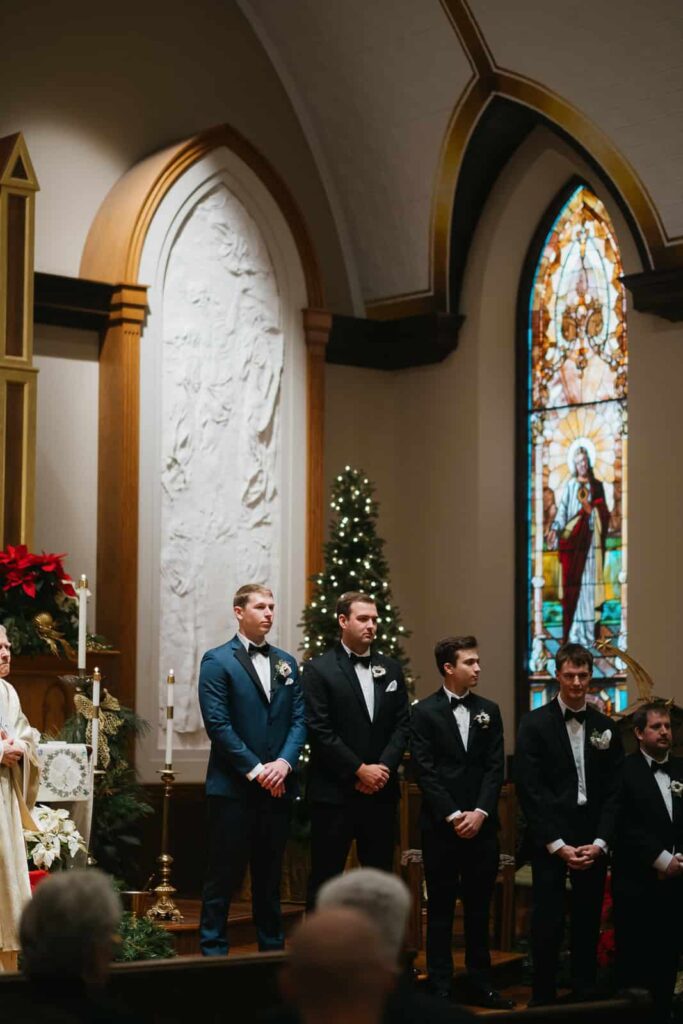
(221, 371)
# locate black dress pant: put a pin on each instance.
(547, 922)
(453, 868)
(251, 831)
(647, 926)
(371, 822)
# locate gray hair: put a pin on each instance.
(383, 897)
(69, 925)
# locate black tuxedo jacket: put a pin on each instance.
(342, 735)
(547, 780)
(644, 827)
(450, 777)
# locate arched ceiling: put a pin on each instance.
(376, 84)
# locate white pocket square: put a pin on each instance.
(393, 685)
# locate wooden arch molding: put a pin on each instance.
(112, 253)
(661, 255)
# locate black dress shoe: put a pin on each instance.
(490, 999)
(540, 1001)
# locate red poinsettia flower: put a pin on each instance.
(22, 569)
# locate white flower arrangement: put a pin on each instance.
(676, 787)
(483, 720)
(283, 668)
(601, 740)
(378, 671)
(56, 832)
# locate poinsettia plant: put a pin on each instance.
(38, 605)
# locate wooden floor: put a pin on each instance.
(506, 967)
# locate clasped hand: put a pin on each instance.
(467, 824)
(273, 777)
(11, 753)
(371, 778)
(579, 858)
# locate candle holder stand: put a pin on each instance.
(164, 909)
(90, 860)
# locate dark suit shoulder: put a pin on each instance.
(323, 663)
(430, 703)
(217, 652)
(603, 720)
(489, 705)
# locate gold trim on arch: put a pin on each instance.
(488, 81)
(114, 244)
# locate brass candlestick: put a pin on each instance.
(164, 909)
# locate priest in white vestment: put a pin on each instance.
(19, 778)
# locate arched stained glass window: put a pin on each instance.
(577, 448)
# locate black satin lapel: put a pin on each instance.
(561, 729)
(350, 673)
(248, 666)
(276, 681)
(656, 796)
(447, 711)
(379, 685)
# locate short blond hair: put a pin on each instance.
(243, 593)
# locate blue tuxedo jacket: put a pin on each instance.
(244, 727)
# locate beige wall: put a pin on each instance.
(95, 89)
(440, 444)
(66, 449)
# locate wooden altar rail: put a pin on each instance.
(245, 988)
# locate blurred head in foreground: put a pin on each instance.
(67, 930)
(382, 897)
(339, 968)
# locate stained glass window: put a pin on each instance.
(577, 448)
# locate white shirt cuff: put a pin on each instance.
(255, 772)
(602, 844)
(285, 761)
(481, 811)
(556, 845)
(663, 861)
(454, 815)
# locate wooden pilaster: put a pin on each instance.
(317, 326)
(118, 480)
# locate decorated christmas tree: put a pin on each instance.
(354, 560)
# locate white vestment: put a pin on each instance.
(18, 790)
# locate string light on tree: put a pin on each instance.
(354, 560)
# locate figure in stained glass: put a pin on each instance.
(577, 435)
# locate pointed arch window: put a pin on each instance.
(577, 450)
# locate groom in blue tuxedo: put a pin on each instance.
(253, 712)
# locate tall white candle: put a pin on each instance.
(96, 678)
(170, 680)
(82, 619)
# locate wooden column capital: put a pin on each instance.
(128, 304)
(317, 327)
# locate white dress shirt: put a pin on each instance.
(365, 679)
(663, 860)
(576, 732)
(462, 720)
(261, 663)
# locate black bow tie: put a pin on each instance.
(660, 766)
(462, 702)
(258, 649)
(580, 716)
(360, 659)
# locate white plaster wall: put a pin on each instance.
(440, 441)
(66, 449)
(222, 450)
(96, 89)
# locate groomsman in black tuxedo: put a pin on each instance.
(358, 727)
(457, 751)
(647, 873)
(568, 766)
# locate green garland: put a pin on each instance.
(142, 939)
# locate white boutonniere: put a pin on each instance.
(283, 668)
(483, 720)
(601, 740)
(676, 787)
(378, 671)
